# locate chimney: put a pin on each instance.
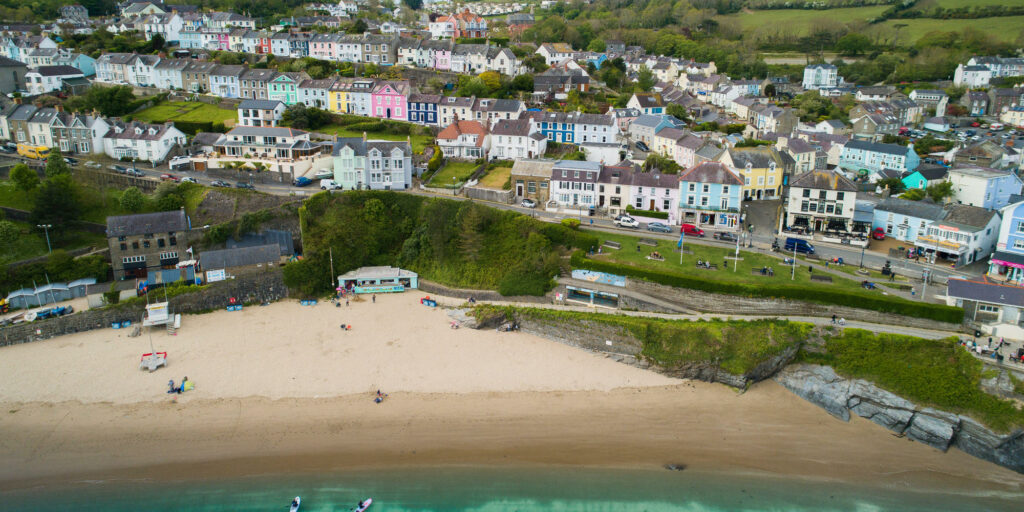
(18, 100)
(59, 107)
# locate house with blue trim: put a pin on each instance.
(904, 219)
(863, 157)
(1007, 262)
(423, 108)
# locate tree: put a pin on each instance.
(9, 233)
(677, 111)
(596, 45)
(853, 44)
(413, 4)
(157, 43)
(492, 79)
(769, 90)
(110, 101)
(358, 27)
(914, 194)
(57, 203)
(473, 87)
(523, 82)
(56, 165)
(132, 200)
(895, 185)
(644, 79)
(939, 192)
(25, 179)
(303, 118)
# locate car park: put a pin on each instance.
(528, 203)
(625, 221)
(244, 185)
(725, 237)
(302, 181)
(691, 230)
(658, 227)
(219, 183)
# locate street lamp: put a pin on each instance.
(862, 255)
(46, 230)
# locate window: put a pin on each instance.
(985, 308)
(706, 188)
(133, 259)
(746, 180)
(160, 242)
(135, 245)
(689, 200)
(124, 246)
(639, 202)
(665, 205)
(704, 200)
(807, 193)
(840, 196)
(693, 187)
(1018, 244)
(725, 203)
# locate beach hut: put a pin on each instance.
(378, 280)
(80, 287)
(53, 292)
(23, 298)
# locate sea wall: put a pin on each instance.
(491, 295)
(255, 287)
(840, 396)
(737, 305)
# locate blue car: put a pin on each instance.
(302, 181)
(658, 227)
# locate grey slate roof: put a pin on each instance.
(877, 147)
(259, 104)
(758, 158)
(932, 171)
(711, 172)
(823, 180)
(142, 223)
(58, 70)
(986, 292)
(8, 63)
(924, 209)
(967, 217)
(360, 146)
(240, 257)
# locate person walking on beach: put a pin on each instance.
(346, 303)
(374, 298)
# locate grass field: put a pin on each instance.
(716, 255)
(957, 4)
(189, 111)
(496, 178)
(453, 173)
(1006, 28)
(799, 21)
(418, 141)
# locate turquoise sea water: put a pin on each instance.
(499, 490)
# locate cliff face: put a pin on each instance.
(840, 396)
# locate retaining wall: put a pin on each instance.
(489, 194)
(462, 293)
(254, 287)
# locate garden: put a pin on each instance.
(379, 129)
(497, 176)
(453, 174)
(189, 116)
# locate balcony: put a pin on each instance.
(708, 208)
(941, 244)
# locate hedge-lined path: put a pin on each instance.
(819, 321)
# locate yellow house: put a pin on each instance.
(337, 98)
(761, 168)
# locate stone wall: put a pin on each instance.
(461, 293)
(254, 287)
(110, 179)
(489, 194)
(839, 396)
(737, 305)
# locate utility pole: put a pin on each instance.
(924, 288)
(862, 254)
(331, 252)
(736, 259)
(792, 274)
(46, 230)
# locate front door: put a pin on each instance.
(817, 224)
(652, 205)
(575, 199)
(519, 190)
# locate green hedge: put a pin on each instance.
(805, 293)
(647, 213)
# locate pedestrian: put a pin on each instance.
(346, 303)
(374, 298)
(826, 264)
(833, 319)
(892, 276)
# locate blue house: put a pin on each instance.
(1007, 262)
(423, 108)
(865, 157)
(709, 197)
(84, 63)
(984, 187)
(904, 219)
(597, 59)
(925, 176)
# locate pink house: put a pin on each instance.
(685, 151)
(440, 54)
(390, 100)
(223, 43)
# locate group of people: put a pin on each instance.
(705, 264)
(185, 386)
(767, 271)
(380, 397)
(655, 255)
(839, 321)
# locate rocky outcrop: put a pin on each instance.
(841, 396)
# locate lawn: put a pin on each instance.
(800, 21)
(418, 141)
(187, 111)
(496, 178)
(453, 173)
(958, 4)
(32, 243)
(1005, 28)
(716, 255)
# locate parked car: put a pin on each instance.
(219, 183)
(179, 163)
(5, 149)
(134, 172)
(189, 180)
(324, 174)
(799, 245)
(691, 230)
(658, 227)
(330, 185)
(93, 165)
(725, 237)
(120, 169)
(641, 146)
(528, 203)
(625, 221)
(71, 161)
(302, 181)
(169, 177)
(878, 234)
(247, 186)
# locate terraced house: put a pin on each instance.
(285, 87)
(256, 82)
(373, 164)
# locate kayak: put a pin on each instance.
(295, 504)
(363, 505)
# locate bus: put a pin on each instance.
(35, 152)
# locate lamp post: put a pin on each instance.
(46, 230)
(862, 255)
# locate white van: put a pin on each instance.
(329, 185)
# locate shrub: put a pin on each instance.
(571, 223)
(799, 292)
(646, 213)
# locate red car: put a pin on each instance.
(878, 234)
(169, 177)
(975, 124)
(691, 230)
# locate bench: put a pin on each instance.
(655, 258)
(612, 245)
(757, 272)
(821, 278)
(648, 241)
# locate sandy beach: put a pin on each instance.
(282, 388)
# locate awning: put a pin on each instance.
(1008, 259)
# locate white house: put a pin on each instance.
(374, 164)
(260, 112)
(973, 77)
(554, 53)
(963, 235)
(821, 200)
(464, 139)
(516, 138)
(574, 183)
(984, 187)
(149, 142)
(820, 76)
(49, 78)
